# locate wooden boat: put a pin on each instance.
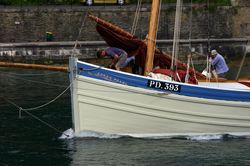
(116, 102)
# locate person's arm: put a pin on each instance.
(112, 53)
(215, 60)
(114, 61)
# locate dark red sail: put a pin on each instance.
(117, 37)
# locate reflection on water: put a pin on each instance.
(25, 140)
(129, 151)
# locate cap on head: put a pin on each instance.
(214, 52)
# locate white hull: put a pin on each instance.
(113, 102)
(112, 108)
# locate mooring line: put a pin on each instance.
(26, 110)
(42, 121)
(43, 105)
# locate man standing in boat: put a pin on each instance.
(118, 56)
(219, 63)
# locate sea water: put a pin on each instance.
(35, 111)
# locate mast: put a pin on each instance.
(151, 36)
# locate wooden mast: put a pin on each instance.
(151, 36)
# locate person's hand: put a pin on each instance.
(210, 60)
(111, 66)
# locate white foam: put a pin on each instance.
(68, 134)
(93, 134)
(206, 137)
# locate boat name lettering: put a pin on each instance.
(164, 86)
(107, 77)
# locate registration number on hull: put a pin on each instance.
(164, 86)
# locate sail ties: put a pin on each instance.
(150, 39)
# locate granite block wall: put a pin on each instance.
(30, 24)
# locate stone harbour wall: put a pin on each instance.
(23, 31)
(30, 24)
(240, 3)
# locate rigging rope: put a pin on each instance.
(176, 40)
(190, 42)
(241, 63)
(137, 14)
(80, 31)
(192, 63)
(208, 28)
(157, 26)
(190, 25)
(188, 65)
(209, 71)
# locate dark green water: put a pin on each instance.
(27, 141)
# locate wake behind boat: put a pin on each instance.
(115, 102)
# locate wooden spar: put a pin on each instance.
(34, 66)
(151, 36)
(111, 26)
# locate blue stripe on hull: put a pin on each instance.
(93, 71)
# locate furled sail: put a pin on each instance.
(118, 37)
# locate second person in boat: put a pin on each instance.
(219, 64)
